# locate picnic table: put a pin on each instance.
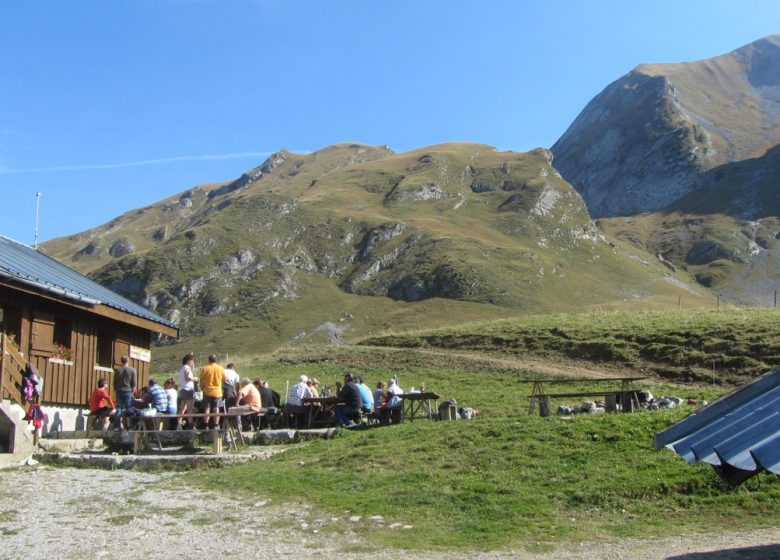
(149, 427)
(419, 405)
(626, 394)
(321, 407)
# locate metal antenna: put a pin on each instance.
(37, 207)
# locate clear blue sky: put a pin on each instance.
(107, 106)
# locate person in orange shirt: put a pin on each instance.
(212, 376)
(101, 406)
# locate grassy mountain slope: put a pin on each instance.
(723, 347)
(354, 239)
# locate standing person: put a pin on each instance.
(125, 383)
(31, 386)
(187, 385)
(101, 406)
(230, 386)
(352, 401)
(212, 376)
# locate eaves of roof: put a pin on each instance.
(738, 434)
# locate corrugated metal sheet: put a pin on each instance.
(738, 434)
(21, 263)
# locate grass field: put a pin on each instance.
(509, 479)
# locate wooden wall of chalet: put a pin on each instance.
(32, 320)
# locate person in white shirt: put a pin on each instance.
(230, 387)
(295, 397)
(187, 385)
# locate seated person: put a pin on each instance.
(365, 395)
(173, 402)
(155, 396)
(352, 402)
(247, 400)
(392, 397)
(314, 386)
(295, 397)
(101, 406)
(392, 406)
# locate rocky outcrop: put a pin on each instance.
(121, 247)
(274, 161)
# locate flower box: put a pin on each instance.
(60, 361)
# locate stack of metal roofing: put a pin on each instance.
(738, 434)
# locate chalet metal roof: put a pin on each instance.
(23, 264)
(738, 434)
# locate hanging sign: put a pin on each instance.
(142, 354)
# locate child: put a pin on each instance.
(173, 395)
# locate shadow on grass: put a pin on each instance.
(765, 552)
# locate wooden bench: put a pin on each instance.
(149, 428)
(141, 437)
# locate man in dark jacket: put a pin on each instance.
(352, 402)
(125, 382)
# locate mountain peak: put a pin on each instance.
(642, 143)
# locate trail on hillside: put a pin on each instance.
(531, 366)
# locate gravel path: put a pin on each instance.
(91, 514)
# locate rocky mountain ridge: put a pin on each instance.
(353, 235)
(679, 163)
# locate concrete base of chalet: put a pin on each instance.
(173, 459)
(17, 442)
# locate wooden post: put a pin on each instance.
(2, 363)
(679, 302)
(544, 406)
(216, 441)
(611, 403)
(138, 441)
(627, 401)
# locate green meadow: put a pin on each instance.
(507, 478)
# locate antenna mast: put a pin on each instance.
(37, 207)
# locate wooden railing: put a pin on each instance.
(12, 365)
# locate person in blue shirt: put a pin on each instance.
(365, 396)
(155, 395)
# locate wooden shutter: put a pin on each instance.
(42, 335)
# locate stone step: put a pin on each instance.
(62, 445)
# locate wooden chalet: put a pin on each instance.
(73, 330)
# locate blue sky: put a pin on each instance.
(109, 106)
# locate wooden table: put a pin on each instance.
(419, 405)
(626, 392)
(326, 406)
